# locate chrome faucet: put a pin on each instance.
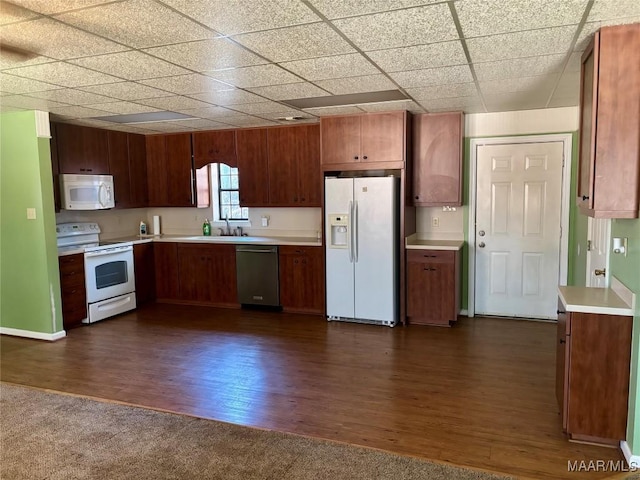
(226, 220)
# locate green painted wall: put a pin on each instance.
(29, 274)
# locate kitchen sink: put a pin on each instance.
(226, 239)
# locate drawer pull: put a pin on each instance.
(430, 269)
(562, 340)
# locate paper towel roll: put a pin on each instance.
(156, 224)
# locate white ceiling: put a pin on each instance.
(229, 63)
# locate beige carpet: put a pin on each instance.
(51, 436)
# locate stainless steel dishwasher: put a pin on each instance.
(257, 271)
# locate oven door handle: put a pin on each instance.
(108, 251)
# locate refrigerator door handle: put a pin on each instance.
(350, 232)
(355, 231)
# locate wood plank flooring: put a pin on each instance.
(480, 394)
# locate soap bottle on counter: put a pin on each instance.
(143, 228)
(206, 228)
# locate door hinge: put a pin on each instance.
(588, 245)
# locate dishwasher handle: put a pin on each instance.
(255, 250)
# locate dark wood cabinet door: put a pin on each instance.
(208, 274)
(283, 150)
(216, 146)
(156, 154)
(253, 167)
(82, 150)
(562, 352)
(72, 290)
(139, 194)
(144, 269)
(119, 167)
(383, 137)
(588, 96)
(302, 279)
(224, 275)
(55, 168)
(165, 256)
(437, 159)
(180, 192)
(308, 166)
(340, 139)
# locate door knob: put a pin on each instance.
(481, 245)
(481, 233)
(600, 273)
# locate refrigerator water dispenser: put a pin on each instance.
(339, 230)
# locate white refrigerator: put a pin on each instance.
(361, 238)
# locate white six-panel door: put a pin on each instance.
(517, 245)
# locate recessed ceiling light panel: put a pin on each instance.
(146, 117)
(349, 99)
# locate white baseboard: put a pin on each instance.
(16, 332)
(464, 312)
(632, 460)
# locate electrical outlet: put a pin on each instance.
(31, 213)
(435, 222)
(265, 221)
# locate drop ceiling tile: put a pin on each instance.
(575, 62)
(63, 74)
(228, 97)
(8, 61)
(198, 124)
(248, 121)
(490, 17)
(72, 96)
(8, 109)
(126, 91)
(537, 84)
(13, 84)
(231, 17)
(514, 101)
(348, 8)
(88, 122)
(433, 76)
(260, 108)
(568, 86)
(337, 66)
(131, 129)
(284, 113)
(12, 12)
(400, 28)
(175, 103)
(30, 103)
(325, 111)
(586, 34)
(443, 91)
(211, 112)
(257, 76)
(296, 43)
(299, 122)
(289, 91)
(613, 9)
(420, 56)
(78, 112)
(394, 106)
(57, 6)
(369, 83)
(453, 104)
(519, 67)
(546, 41)
(131, 65)
(571, 101)
(187, 84)
(466, 109)
(123, 108)
(167, 127)
(207, 55)
(56, 40)
(137, 23)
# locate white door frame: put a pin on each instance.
(567, 140)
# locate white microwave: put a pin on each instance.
(86, 192)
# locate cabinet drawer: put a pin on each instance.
(70, 264)
(71, 281)
(295, 250)
(431, 256)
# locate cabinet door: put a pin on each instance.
(217, 146)
(562, 354)
(432, 287)
(179, 173)
(82, 150)
(156, 149)
(340, 139)
(302, 279)
(437, 159)
(383, 137)
(588, 96)
(253, 167)
(72, 290)
(283, 151)
(144, 268)
(308, 167)
(138, 193)
(55, 168)
(195, 267)
(166, 270)
(119, 167)
(224, 275)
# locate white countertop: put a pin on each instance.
(415, 244)
(593, 300)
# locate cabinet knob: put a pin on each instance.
(417, 197)
(585, 197)
(355, 158)
(364, 157)
(562, 340)
(560, 312)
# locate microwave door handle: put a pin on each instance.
(101, 189)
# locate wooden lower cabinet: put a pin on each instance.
(72, 288)
(165, 255)
(302, 279)
(207, 274)
(144, 268)
(592, 375)
(433, 287)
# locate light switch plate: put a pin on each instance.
(31, 213)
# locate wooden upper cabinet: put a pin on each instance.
(82, 150)
(308, 167)
(358, 142)
(609, 168)
(251, 148)
(119, 167)
(216, 146)
(55, 168)
(138, 193)
(169, 170)
(437, 159)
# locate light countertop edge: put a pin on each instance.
(593, 300)
(415, 244)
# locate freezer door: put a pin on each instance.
(338, 196)
(376, 248)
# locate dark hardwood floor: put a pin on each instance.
(480, 394)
